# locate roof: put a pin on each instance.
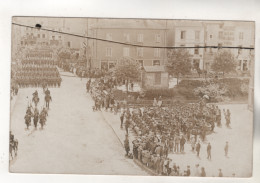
(154, 68)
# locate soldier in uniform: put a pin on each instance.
(126, 145)
(35, 117)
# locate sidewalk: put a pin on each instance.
(114, 122)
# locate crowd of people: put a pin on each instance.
(161, 130)
(38, 61)
(82, 71)
(38, 75)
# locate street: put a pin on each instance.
(74, 140)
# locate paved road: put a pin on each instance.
(75, 140)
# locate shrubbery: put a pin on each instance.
(217, 89)
(156, 93)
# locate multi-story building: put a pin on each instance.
(189, 34)
(132, 32)
(229, 34)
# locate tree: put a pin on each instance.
(127, 69)
(179, 62)
(224, 62)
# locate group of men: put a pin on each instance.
(38, 75)
(161, 130)
(33, 112)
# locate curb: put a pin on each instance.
(112, 129)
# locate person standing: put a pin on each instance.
(209, 151)
(226, 149)
(177, 142)
(198, 149)
(127, 123)
(122, 118)
(126, 145)
(197, 171)
(182, 142)
(203, 173)
(220, 174)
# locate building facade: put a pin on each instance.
(132, 32)
(230, 34)
(190, 34)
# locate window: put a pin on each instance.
(140, 38)
(157, 78)
(196, 50)
(140, 52)
(197, 35)
(141, 63)
(59, 37)
(183, 34)
(111, 65)
(43, 36)
(127, 37)
(196, 63)
(210, 36)
(104, 65)
(157, 38)
(219, 46)
(156, 62)
(182, 45)
(109, 36)
(245, 68)
(109, 52)
(239, 49)
(39, 35)
(156, 52)
(241, 35)
(53, 37)
(68, 44)
(220, 35)
(126, 52)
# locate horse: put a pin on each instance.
(27, 118)
(13, 147)
(36, 100)
(43, 118)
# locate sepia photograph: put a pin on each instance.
(142, 97)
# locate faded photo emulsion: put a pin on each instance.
(104, 96)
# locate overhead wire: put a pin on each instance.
(131, 44)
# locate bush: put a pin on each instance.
(214, 91)
(156, 93)
(120, 95)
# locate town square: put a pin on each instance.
(132, 97)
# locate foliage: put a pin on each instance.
(156, 93)
(213, 90)
(224, 62)
(127, 69)
(64, 55)
(179, 62)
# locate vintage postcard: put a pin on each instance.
(111, 96)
